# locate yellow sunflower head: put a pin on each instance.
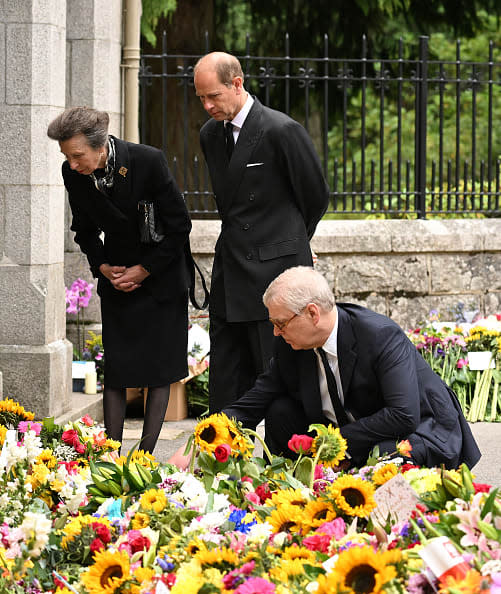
(360, 570)
(329, 445)
(298, 552)
(289, 496)
(219, 557)
(287, 569)
(353, 496)
(317, 512)
(286, 518)
(108, 573)
(384, 473)
(46, 457)
(214, 431)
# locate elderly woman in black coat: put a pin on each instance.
(142, 281)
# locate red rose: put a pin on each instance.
(96, 545)
(263, 491)
(222, 452)
(71, 438)
(102, 532)
(138, 542)
(300, 444)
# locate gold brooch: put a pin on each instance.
(123, 171)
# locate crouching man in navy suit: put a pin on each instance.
(347, 365)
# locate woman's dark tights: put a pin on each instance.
(114, 405)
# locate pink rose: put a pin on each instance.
(300, 444)
(222, 452)
(88, 420)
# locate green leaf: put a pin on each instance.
(304, 470)
(489, 530)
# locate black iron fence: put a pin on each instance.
(401, 137)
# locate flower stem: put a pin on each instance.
(269, 455)
(192, 459)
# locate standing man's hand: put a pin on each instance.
(112, 273)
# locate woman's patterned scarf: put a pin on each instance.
(105, 183)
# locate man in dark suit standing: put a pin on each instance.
(270, 194)
(347, 365)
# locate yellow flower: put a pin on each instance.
(318, 512)
(57, 485)
(329, 445)
(143, 575)
(286, 518)
(423, 480)
(213, 431)
(473, 582)
(46, 457)
(109, 571)
(384, 473)
(11, 413)
(3, 433)
(153, 499)
(353, 496)
(140, 520)
(360, 570)
(297, 552)
(219, 557)
(289, 496)
(288, 568)
(38, 476)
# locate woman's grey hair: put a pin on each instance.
(298, 286)
(93, 124)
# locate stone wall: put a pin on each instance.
(55, 53)
(401, 268)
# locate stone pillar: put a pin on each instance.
(35, 357)
(93, 78)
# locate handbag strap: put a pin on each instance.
(193, 265)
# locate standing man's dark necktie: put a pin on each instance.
(230, 140)
(341, 416)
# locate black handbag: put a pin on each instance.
(150, 227)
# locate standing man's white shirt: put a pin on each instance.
(239, 119)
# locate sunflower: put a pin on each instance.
(109, 571)
(384, 474)
(298, 552)
(353, 496)
(140, 520)
(317, 512)
(214, 431)
(38, 476)
(46, 457)
(286, 518)
(287, 569)
(194, 546)
(360, 570)
(219, 557)
(289, 496)
(329, 445)
(75, 526)
(138, 457)
(153, 499)
(12, 413)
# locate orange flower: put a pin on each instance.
(99, 439)
(404, 448)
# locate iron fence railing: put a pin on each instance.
(400, 136)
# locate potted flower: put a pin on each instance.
(77, 299)
(482, 344)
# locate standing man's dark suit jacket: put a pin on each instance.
(270, 198)
(390, 390)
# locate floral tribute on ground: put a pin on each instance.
(75, 516)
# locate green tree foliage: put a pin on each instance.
(152, 11)
(384, 118)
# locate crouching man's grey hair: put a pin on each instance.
(298, 286)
